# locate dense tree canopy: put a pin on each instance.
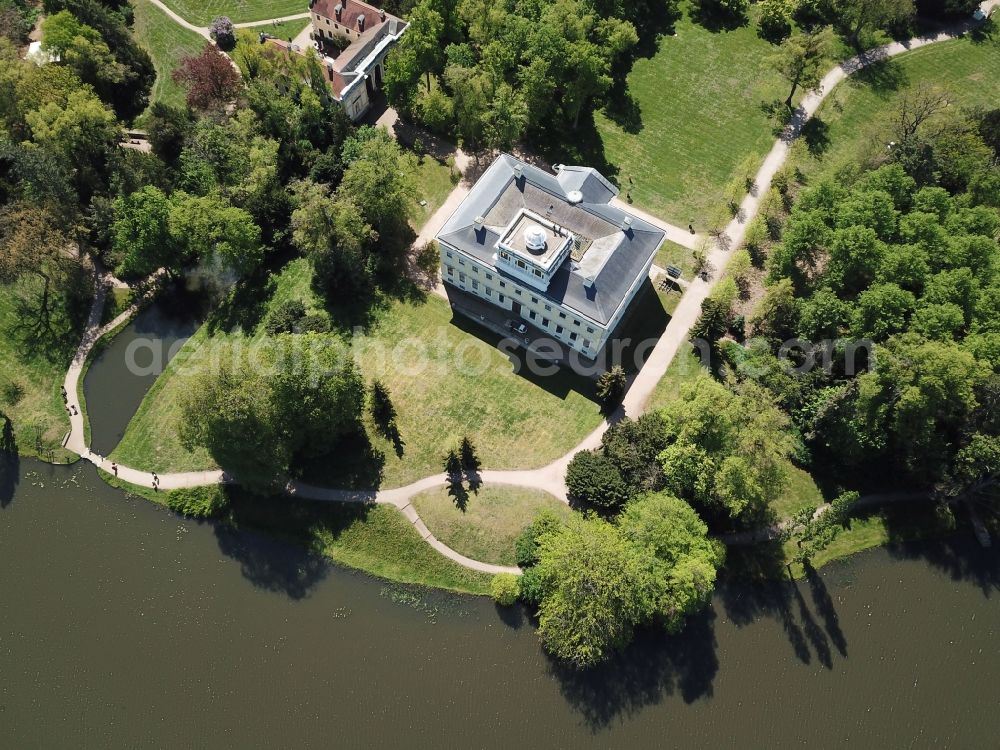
(262, 409)
(905, 255)
(726, 450)
(491, 73)
(597, 581)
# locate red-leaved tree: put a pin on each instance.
(210, 78)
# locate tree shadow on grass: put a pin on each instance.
(985, 31)
(883, 75)
(623, 109)
(718, 20)
(559, 144)
(351, 463)
(457, 492)
(816, 135)
(655, 666)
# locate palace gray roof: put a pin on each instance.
(613, 257)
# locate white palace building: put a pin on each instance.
(550, 249)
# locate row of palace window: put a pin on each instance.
(538, 317)
(336, 26)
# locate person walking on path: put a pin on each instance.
(114, 468)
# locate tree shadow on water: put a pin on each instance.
(761, 587)
(272, 564)
(10, 462)
(655, 666)
(958, 555)
(274, 538)
(824, 605)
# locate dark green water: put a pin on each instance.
(124, 625)
(121, 374)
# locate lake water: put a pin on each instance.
(121, 374)
(122, 624)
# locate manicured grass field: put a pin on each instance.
(167, 42)
(447, 381)
(491, 521)
(281, 30)
(672, 254)
(202, 12)
(856, 113)
(699, 98)
(29, 389)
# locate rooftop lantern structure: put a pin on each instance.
(532, 248)
(534, 239)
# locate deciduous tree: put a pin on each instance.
(799, 60)
(210, 79)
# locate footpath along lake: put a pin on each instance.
(123, 624)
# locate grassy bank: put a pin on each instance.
(488, 525)
(167, 42)
(375, 539)
(854, 117)
(30, 383)
(894, 523)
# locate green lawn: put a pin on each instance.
(167, 42)
(434, 185)
(491, 521)
(202, 12)
(30, 388)
(800, 491)
(447, 380)
(857, 111)
(281, 30)
(672, 254)
(684, 368)
(699, 98)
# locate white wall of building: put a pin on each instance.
(563, 324)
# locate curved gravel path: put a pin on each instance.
(203, 30)
(550, 478)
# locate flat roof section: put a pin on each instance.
(526, 223)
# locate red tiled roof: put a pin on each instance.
(353, 9)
